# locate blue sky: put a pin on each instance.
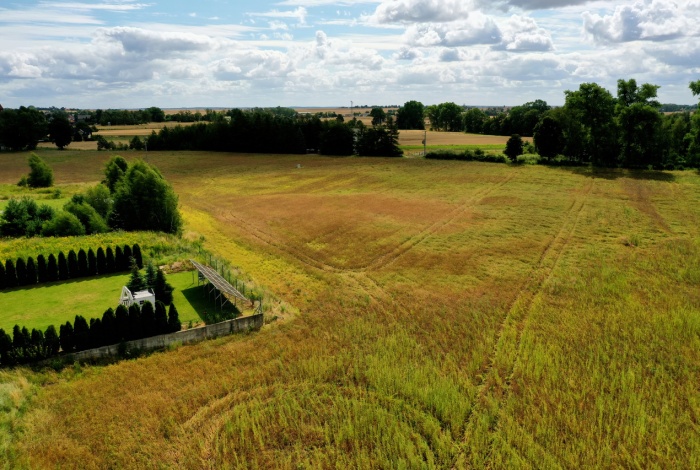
(226, 53)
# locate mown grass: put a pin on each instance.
(54, 303)
(448, 314)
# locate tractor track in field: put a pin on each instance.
(381, 260)
(495, 384)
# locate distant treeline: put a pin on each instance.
(264, 131)
(27, 272)
(124, 324)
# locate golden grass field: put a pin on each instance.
(443, 315)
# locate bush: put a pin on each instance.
(64, 224)
(40, 174)
(476, 155)
(528, 159)
(23, 217)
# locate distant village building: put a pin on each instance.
(128, 298)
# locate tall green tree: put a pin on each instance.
(21, 272)
(162, 289)
(110, 260)
(144, 200)
(73, 269)
(63, 272)
(594, 108)
(60, 131)
(81, 333)
(378, 116)
(32, 275)
(21, 129)
(114, 172)
(136, 282)
(514, 147)
(42, 269)
(3, 280)
(161, 319)
(83, 267)
(692, 139)
(67, 337)
(148, 320)
(639, 121)
(411, 116)
(10, 274)
(52, 341)
(101, 261)
(549, 138)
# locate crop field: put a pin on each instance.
(441, 314)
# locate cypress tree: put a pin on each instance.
(41, 269)
(21, 272)
(83, 269)
(163, 290)
(121, 324)
(136, 281)
(101, 261)
(150, 277)
(135, 326)
(27, 340)
(51, 341)
(119, 263)
(81, 333)
(18, 343)
(148, 319)
(127, 257)
(5, 348)
(111, 266)
(3, 282)
(73, 270)
(52, 269)
(10, 274)
(67, 337)
(62, 266)
(31, 272)
(173, 319)
(109, 330)
(96, 336)
(92, 263)
(136, 253)
(161, 317)
(37, 344)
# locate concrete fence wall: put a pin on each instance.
(254, 322)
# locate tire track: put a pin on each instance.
(383, 259)
(494, 387)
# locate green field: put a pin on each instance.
(57, 302)
(437, 314)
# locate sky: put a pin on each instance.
(232, 53)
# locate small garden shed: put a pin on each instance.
(129, 298)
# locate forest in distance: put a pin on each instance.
(594, 127)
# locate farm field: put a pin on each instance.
(445, 315)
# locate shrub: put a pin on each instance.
(66, 337)
(136, 253)
(10, 274)
(40, 175)
(64, 224)
(110, 261)
(51, 341)
(92, 263)
(83, 270)
(32, 276)
(62, 267)
(73, 269)
(81, 333)
(174, 319)
(52, 273)
(42, 269)
(161, 288)
(100, 261)
(100, 199)
(88, 216)
(528, 159)
(161, 319)
(21, 272)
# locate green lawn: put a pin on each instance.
(58, 302)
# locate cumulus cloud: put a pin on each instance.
(421, 11)
(156, 44)
(479, 29)
(522, 34)
(299, 14)
(649, 20)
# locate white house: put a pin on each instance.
(128, 298)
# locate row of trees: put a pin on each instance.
(124, 324)
(27, 272)
(262, 131)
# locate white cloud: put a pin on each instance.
(421, 11)
(522, 34)
(648, 20)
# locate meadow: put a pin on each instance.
(438, 314)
